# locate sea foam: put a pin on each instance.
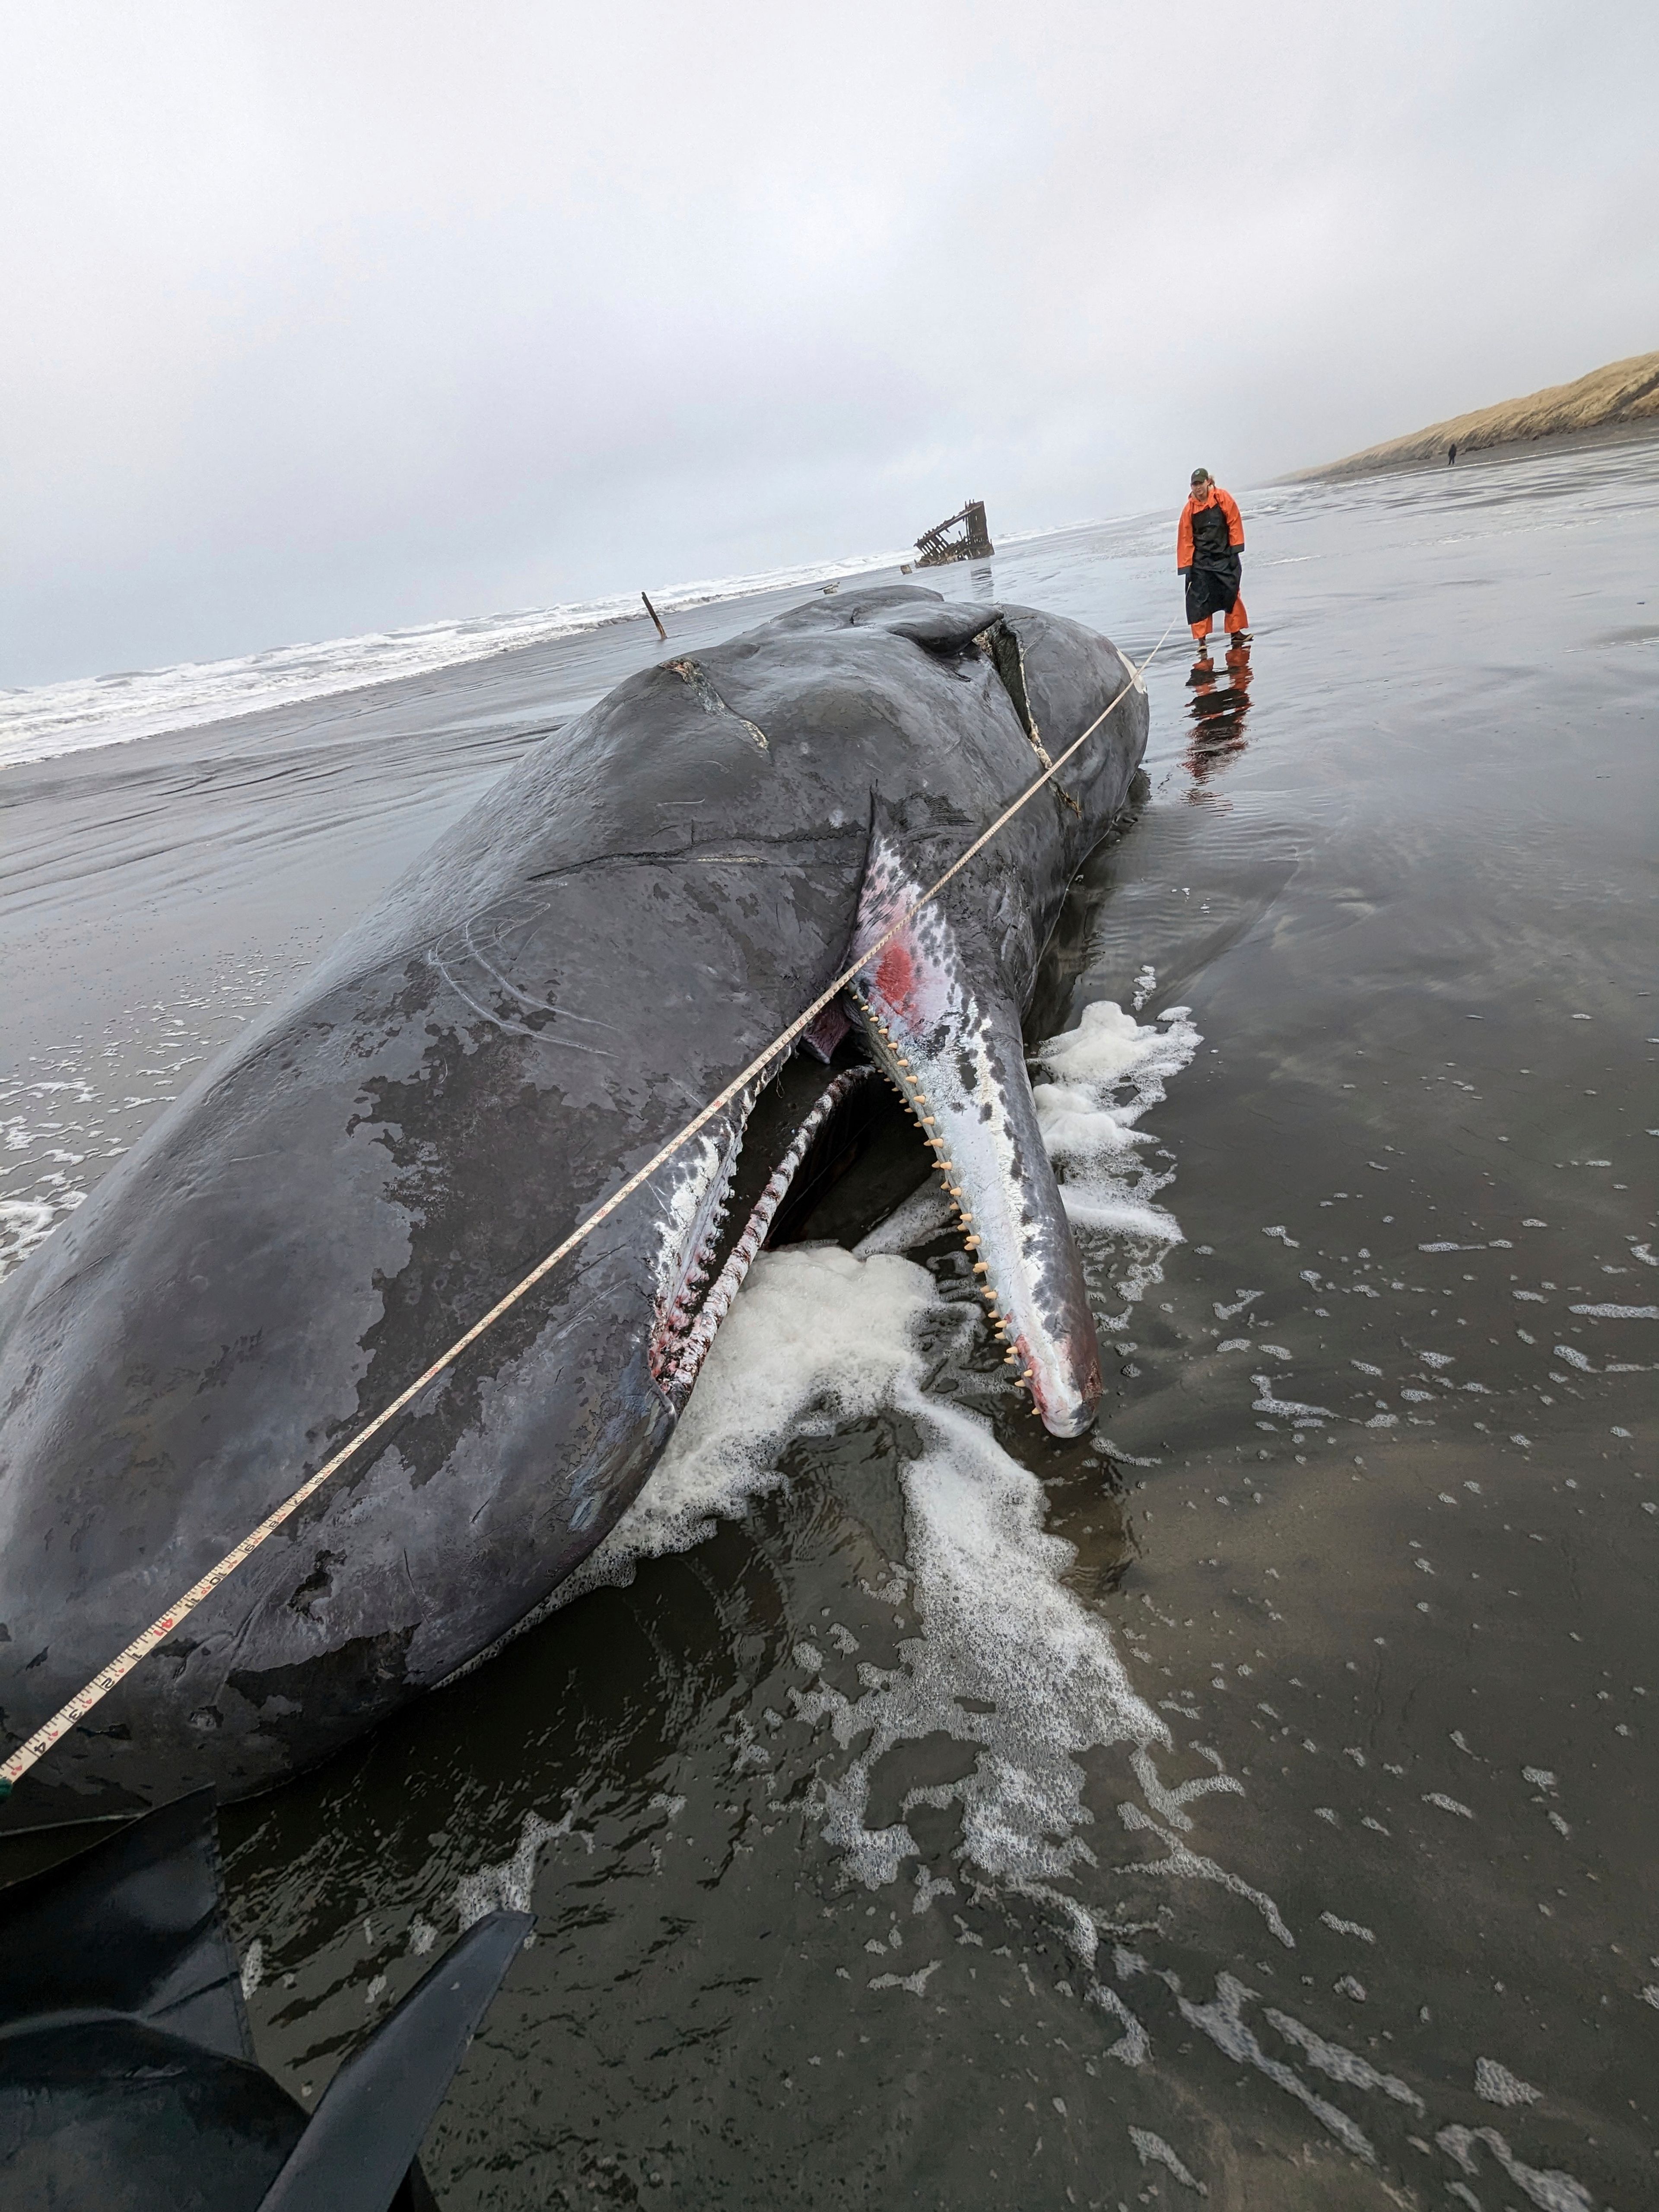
(1108, 1073)
(817, 1336)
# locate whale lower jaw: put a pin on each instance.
(947, 1034)
(1033, 1297)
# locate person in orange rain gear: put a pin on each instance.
(1207, 546)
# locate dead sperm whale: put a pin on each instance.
(611, 935)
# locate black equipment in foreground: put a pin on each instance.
(128, 2082)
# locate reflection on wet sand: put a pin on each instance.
(1217, 711)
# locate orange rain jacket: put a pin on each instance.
(1229, 507)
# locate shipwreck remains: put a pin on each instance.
(973, 543)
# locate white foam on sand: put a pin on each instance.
(814, 1337)
(1107, 1073)
(998, 1627)
(42, 1142)
(819, 1335)
(27, 1222)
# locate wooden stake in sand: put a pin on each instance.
(656, 618)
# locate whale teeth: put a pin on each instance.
(677, 1363)
(916, 1099)
(901, 1073)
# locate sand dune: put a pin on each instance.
(1625, 392)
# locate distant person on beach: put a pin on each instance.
(1451, 455)
(1207, 546)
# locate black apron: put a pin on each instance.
(1217, 574)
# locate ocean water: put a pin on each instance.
(42, 721)
(1254, 1798)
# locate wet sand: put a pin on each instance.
(1292, 1833)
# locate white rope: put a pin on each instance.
(12, 1769)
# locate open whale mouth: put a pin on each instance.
(765, 1178)
(944, 1031)
(791, 1141)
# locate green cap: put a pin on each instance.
(1200, 476)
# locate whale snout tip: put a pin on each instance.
(1070, 1420)
(1067, 1397)
(1066, 1408)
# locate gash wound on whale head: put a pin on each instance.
(950, 1040)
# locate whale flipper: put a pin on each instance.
(946, 1029)
(130, 2083)
(373, 2113)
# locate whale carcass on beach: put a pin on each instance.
(621, 924)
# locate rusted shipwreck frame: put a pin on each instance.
(936, 546)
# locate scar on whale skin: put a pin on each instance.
(693, 675)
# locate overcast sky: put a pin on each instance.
(326, 319)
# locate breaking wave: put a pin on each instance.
(47, 719)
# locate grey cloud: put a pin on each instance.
(325, 320)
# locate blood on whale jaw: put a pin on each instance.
(951, 1041)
